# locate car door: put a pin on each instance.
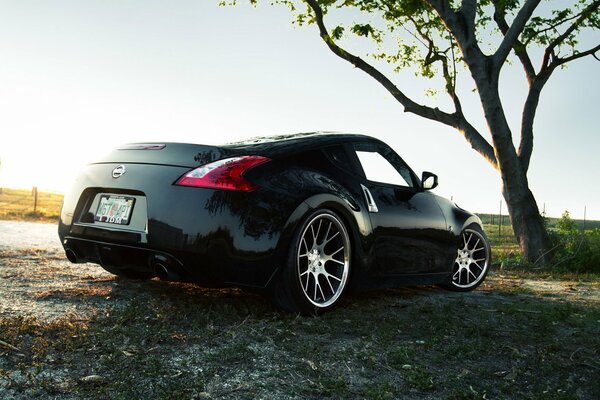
(409, 228)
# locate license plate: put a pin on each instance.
(114, 209)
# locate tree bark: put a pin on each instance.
(527, 223)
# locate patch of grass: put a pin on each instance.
(179, 341)
(18, 204)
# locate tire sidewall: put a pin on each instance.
(289, 288)
(450, 284)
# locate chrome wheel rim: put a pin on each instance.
(323, 260)
(471, 260)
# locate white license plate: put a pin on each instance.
(114, 209)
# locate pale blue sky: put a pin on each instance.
(77, 77)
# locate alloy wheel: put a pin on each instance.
(472, 260)
(323, 260)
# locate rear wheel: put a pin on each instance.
(472, 262)
(318, 265)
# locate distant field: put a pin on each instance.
(494, 219)
(18, 204)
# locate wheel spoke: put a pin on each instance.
(467, 241)
(329, 282)
(320, 290)
(477, 265)
(337, 251)
(305, 287)
(456, 273)
(331, 238)
(318, 230)
(327, 232)
(305, 244)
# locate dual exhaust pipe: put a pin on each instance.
(159, 265)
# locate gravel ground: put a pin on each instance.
(37, 281)
(28, 235)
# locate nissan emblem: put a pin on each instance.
(119, 171)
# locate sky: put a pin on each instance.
(77, 78)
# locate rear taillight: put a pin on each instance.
(225, 174)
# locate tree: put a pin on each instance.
(445, 38)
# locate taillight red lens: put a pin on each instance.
(225, 174)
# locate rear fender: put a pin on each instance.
(357, 223)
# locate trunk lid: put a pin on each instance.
(171, 154)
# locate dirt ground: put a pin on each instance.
(37, 281)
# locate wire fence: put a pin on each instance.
(499, 227)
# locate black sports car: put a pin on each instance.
(303, 216)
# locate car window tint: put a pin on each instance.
(379, 169)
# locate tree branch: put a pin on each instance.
(528, 117)
(575, 56)
(519, 48)
(459, 24)
(475, 139)
(532, 101)
(512, 35)
(549, 54)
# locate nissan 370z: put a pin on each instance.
(303, 217)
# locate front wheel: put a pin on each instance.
(473, 257)
(318, 265)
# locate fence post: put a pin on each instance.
(35, 198)
(500, 222)
(584, 215)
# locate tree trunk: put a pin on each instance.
(527, 223)
(525, 217)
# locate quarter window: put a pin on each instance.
(378, 169)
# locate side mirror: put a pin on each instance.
(429, 180)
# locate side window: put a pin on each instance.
(378, 168)
(339, 157)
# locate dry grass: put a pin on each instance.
(18, 204)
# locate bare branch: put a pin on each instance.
(519, 47)
(575, 56)
(532, 101)
(512, 35)
(454, 120)
(549, 53)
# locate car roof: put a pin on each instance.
(282, 144)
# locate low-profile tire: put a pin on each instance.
(473, 259)
(317, 269)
